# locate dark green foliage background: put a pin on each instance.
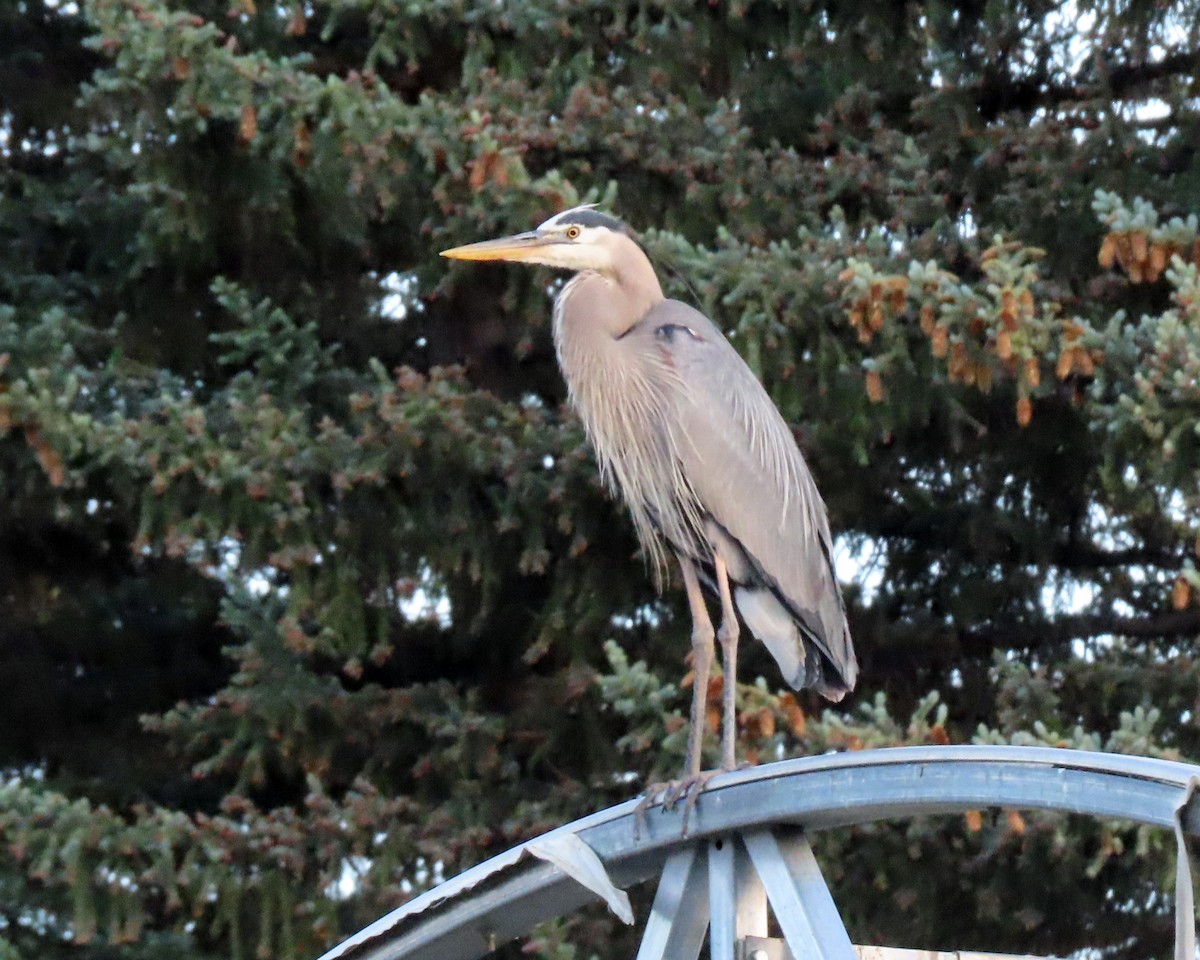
(227, 463)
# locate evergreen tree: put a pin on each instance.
(306, 570)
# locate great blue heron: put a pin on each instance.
(710, 471)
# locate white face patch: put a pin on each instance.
(581, 238)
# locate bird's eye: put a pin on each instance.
(572, 233)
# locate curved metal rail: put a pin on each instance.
(769, 809)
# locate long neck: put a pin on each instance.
(596, 306)
(619, 389)
(636, 291)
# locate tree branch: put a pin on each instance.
(1061, 630)
(997, 95)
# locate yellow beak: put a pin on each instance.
(520, 246)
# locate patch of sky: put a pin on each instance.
(353, 869)
(399, 297)
(1065, 595)
(862, 561)
(645, 615)
(658, 114)
(966, 225)
(426, 600)
(16, 777)
(1176, 507)
(259, 582)
(350, 878)
(1108, 531)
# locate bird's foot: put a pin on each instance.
(668, 795)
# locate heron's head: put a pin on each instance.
(577, 239)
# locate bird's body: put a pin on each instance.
(688, 437)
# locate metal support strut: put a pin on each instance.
(744, 873)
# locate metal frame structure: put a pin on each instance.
(747, 846)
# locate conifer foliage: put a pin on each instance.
(308, 590)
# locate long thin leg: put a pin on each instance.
(728, 635)
(702, 657)
(688, 788)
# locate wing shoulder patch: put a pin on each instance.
(669, 331)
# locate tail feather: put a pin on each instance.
(802, 661)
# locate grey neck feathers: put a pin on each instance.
(608, 302)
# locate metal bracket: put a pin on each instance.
(762, 948)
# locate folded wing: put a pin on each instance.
(762, 512)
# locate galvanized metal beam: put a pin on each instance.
(898, 953)
(679, 916)
(737, 903)
(508, 895)
(802, 903)
(763, 948)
